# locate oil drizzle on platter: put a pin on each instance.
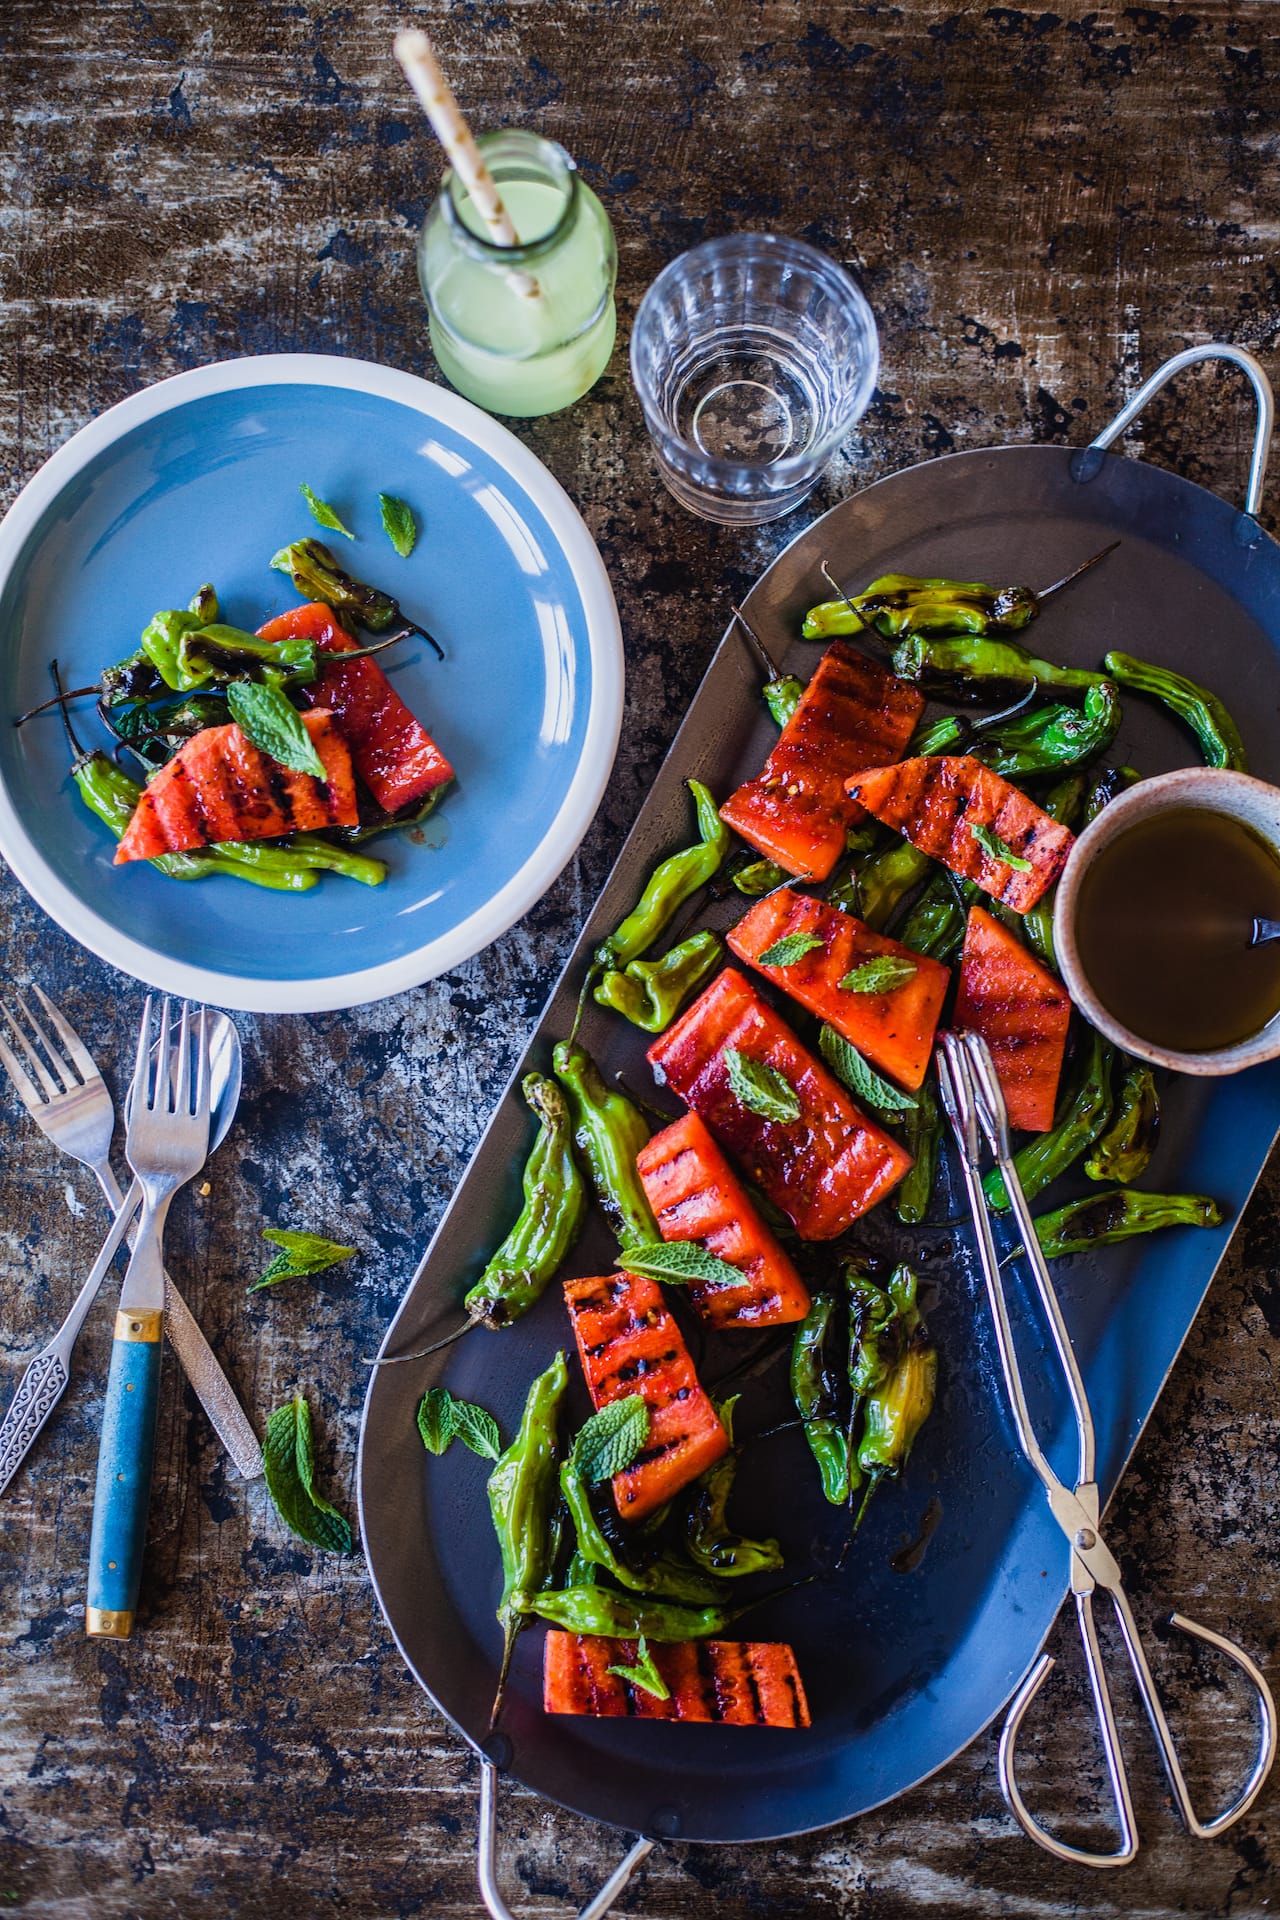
(908, 1558)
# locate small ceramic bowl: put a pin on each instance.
(1236, 794)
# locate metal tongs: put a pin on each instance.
(975, 1107)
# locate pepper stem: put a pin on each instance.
(398, 1359)
(840, 593)
(59, 698)
(78, 752)
(510, 1630)
(771, 666)
(1046, 593)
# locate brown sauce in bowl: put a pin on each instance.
(1163, 921)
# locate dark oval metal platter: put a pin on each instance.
(902, 1668)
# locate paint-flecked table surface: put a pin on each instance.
(1041, 206)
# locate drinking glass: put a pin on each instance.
(753, 357)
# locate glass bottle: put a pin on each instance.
(511, 349)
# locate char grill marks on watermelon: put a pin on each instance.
(394, 754)
(628, 1343)
(853, 714)
(825, 1169)
(696, 1195)
(894, 1029)
(733, 1683)
(219, 786)
(937, 800)
(1022, 1013)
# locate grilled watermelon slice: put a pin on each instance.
(219, 786)
(1022, 1013)
(734, 1683)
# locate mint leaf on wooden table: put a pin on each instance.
(398, 524)
(880, 975)
(848, 1065)
(677, 1262)
(790, 948)
(274, 725)
(300, 1253)
(610, 1440)
(289, 1466)
(760, 1087)
(998, 849)
(443, 1419)
(323, 514)
(645, 1673)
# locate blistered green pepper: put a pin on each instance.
(1126, 1147)
(900, 603)
(782, 696)
(204, 604)
(922, 1137)
(1104, 1218)
(1046, 738)
(936, 924)
(625, 1616)
(555, 1205)
(188, 654)
(317, 574)
(1199, 709)
(668, 1577)
(671, 883)
(711, 1542)
(1083, 1115)
(523, 1491)
(886, 879)
(815, 1390)
(1062, 803)
(1110, 782)
(649, 993)
(893, 1369)
(610, 1131)
(759, 877)
(968, 669)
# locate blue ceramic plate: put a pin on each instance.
(198, 479)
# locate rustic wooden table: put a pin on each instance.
(1041, 206)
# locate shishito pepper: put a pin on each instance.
(625, 1616)
(1126, 1147)
(1083, 1116)
(816, 1392)
(609, 1130)
(900, 603)
(922, 1137)
(893, 1369)
(672, 882)
(668, 1576)
(884, 881)
(1199, 709)
(1048, 738)
(1110, 782)
(555, 1203)
(523, 1491)
(1105, 1218)
(189, 654)
(971, 669)
(650, 993)
(710, 1541)
(317, 574)
(757, 877)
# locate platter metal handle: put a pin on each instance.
(1088, 461)
(490, 1893)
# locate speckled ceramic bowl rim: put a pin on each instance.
(578, 808)
(1216, 789)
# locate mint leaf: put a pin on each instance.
(790, 948)
(861, 1078)
(998, 849)
(645, 1673)
(880, 975)
(289, 1467)
(398, 524)
(443, 1419)
(300, 1253)
(274, 726)
(677, 1262)
(323, 514)
(610, 1440)
(760, 1087)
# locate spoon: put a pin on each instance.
(1264, 930)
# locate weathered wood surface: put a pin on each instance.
(1042, 205)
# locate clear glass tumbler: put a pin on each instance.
(753, 357)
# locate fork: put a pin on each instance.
(68, 1099)
(167, 1143)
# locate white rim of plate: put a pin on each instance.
(586, 789)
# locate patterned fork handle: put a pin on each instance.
(45, 1380)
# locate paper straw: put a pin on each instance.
(423, 72)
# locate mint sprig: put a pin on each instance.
(289, 1468)
(300, 1254)
(860, 1077)
(880, 975)
(760, 1087)
(323, 514)
(274, 725)
(442, 1419)
(998, 849)
(610, 1440)
(398, 524)
(645, 1673)
(678, 1262)
(790, 948)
